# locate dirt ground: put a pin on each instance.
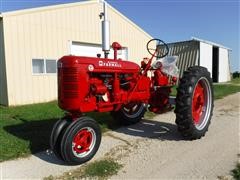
(161, 153)
(154, 149)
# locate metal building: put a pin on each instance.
(32, 40)
(213, 56)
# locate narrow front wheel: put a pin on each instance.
(80, 141)
(56, 136)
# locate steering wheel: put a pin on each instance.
(161, 49)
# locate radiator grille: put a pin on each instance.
(69, 82)
(69, 94)
(70, 70)
(70, 87)
(70, 78)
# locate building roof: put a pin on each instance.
(201, 40)
(44, 8)
(211, 43)
(59, 6)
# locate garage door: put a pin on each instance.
(91, 50)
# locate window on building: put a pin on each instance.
(44, 66)
(51, 66)
(38, 66)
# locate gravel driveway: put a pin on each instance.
(161, 152)
(154, 149)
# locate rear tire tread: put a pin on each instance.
(183, 112)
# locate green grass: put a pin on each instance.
(235, 81)
(149, 115)
(26, 129)
(236, 172)
(101, 169)
(224, 89)
(221, 90)
(173, 91)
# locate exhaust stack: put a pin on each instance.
(105, 30)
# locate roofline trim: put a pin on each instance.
(179, 42)
(211, 43)
(43, 8)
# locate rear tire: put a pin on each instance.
(194, 103)
(130, 114)
(80, 141)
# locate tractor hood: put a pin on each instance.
(98, 64)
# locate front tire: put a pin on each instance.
(80, 141)
(56, 136)
(129, 114)
(194, 103)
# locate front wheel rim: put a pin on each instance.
(201, 103)
(83, 142)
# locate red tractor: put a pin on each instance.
(126, 90)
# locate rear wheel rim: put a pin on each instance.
(201, 103)
(83, 142)
(133, 110)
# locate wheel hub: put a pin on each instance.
(198, 102)
(82, 141)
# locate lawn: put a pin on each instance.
(26, 129)
(222, 90)
(236, 81)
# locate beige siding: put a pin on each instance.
(3, 81)
(46, 32)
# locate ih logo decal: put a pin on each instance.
(109, 64)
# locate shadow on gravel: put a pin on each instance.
(50, 157)
(152, 129)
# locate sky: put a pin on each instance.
(172, 20)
